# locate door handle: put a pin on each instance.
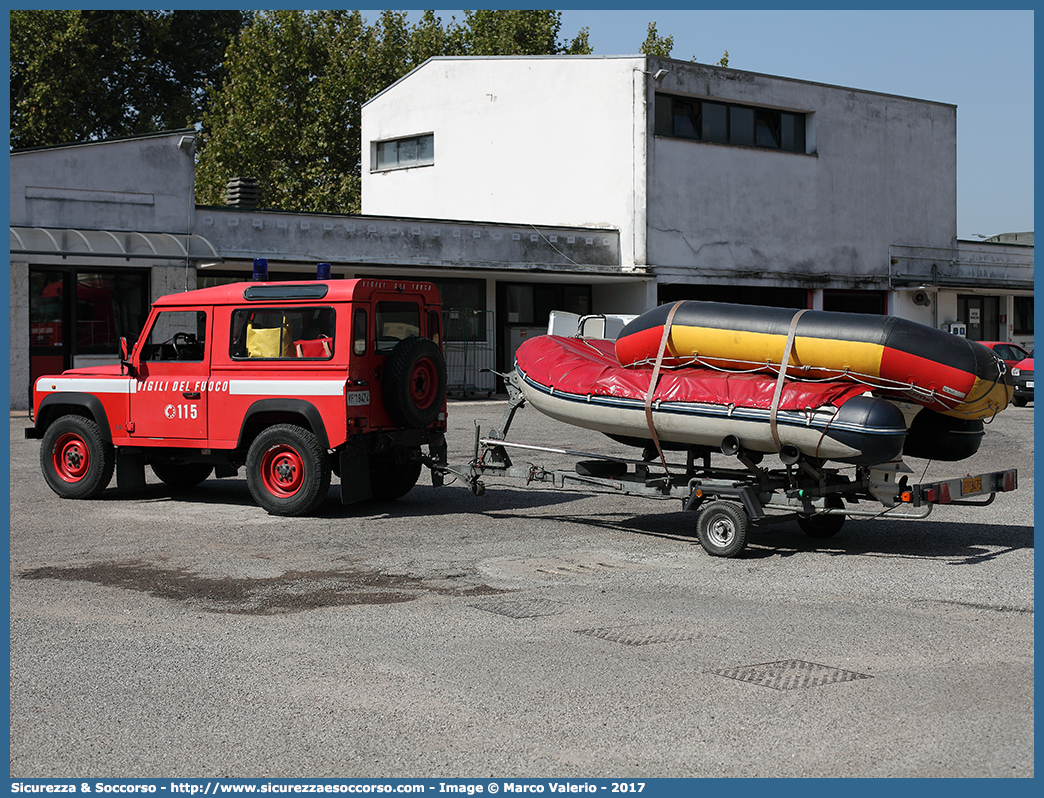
(189, 395)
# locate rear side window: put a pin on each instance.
(435, 327)
(359, 333)
(394, 321)
(283, 333)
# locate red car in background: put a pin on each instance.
(1023, 374)
(1010, 353)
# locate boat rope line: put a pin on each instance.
(655, 379)
(784, 362)
(873, 382)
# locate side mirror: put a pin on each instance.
(125, 356)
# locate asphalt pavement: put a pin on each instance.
(525, 632)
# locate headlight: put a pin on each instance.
(1015, 372)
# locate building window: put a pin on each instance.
(796, 298)
(464, 309)
(1023, 321)
(403, 153)
(846, 301)
(726, 123)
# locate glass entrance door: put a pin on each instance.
(48, 320)
(982, 315)
(78, 313)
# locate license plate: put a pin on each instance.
(971, 485)
(358, 398)
(1029, 384)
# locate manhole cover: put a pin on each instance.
(790, 674)
(522, 608)
(637, 635)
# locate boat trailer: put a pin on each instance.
(728, 501)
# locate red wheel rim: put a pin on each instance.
(424, 384)
(71, 457)
(282, 470)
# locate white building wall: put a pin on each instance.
(571, 141)
(540, 140)
(880, 170)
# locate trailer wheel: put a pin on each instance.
(77, 462)
(415, 382)
(182, 475)
(287, 470)
(823, 526)
(722, 528)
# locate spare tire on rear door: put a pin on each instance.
(415, 382)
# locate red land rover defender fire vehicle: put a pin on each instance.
(291, 379)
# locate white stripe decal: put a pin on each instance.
(286, 387)
(85, 385)
(123, 385)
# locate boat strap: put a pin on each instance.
(655, 379)
(784, 362)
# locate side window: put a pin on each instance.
(434, 327)
(281, 333)
(394, 321)
(177, 335)
(359, 332)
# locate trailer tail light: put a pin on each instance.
(1010, 481)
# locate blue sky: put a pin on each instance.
(980, 61)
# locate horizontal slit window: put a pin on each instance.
(404, 153)
(729, 123)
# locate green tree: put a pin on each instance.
(290, 112)
(519, 33)
(82, 75)
(656, 45)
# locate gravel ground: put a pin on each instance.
(527, 632)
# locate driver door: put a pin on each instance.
(169, 398)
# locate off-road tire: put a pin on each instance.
(391, 480)
(182, 475)
(76, 460)
(414, 386)
(288, 473)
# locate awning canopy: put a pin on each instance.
(111, 244)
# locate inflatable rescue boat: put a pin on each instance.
(581, 382)
(891, 356)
